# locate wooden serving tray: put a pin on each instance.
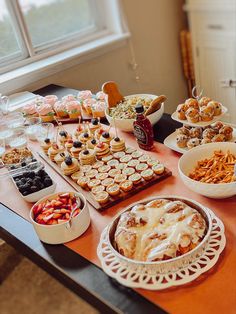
(112, 199)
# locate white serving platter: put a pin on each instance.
(174, 116)
(170, 141)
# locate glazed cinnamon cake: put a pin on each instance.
(159, 230)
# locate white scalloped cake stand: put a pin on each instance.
(125, 273)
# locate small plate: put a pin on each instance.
(174, 116)
(170, 141)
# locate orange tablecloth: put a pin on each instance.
(213, 292)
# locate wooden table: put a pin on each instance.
(76, 272)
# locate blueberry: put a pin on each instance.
(105, 134)
(40, 173)
(33, 189)
(77, 144)
(86, 135)
(47, 140)
(47, 182)
(26, 186)
(86, 152)
(23, 164)
(117, 139)
(13, 167)
(31, 174)
(24, 193)
(34, 159)
(94, 121)
(63, 133)
(21, 188)
(93, 141)
(23, 180)
(68, 161)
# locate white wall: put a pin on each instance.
(155, 26)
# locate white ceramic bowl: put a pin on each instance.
(189, 160)
(62, 233)
(127, 124)
(169, 265)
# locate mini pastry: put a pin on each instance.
(193, 142)
(119, 155)
(126, 158)
(46, 112)
(91, 174)
(46, 144)
(106, 182)
(83, 182)
(76, 149)
(218, 138)
(227, 131)
(94, 182)
(63, 136)
(113, 189)
(97, 189)
(94, 125)
(147, 174)
(206, 113)
(79, 130)
(117, 145)
(141, 167)
(107, 158)
(204, 101)
(84, 137)
(87, 105)
(133, 163)
(91, 143)
(98, 109)
(113, 172)
(104, 168)
(209, 133)
(144, 158)
(102, 150)
(60, 109)
(69, 145)
(192, 103)
(102, 197)
(105, 138)
(120, 178)
(136, 154)
(181, 110)
(130, 150)
(102, 176)
(205, 140)
(69, 166)
(184, 130)
(135, 178)
(76, 175)
(74, 109)
(87, 157)
(68, 98)
(97, 164)
(113, 163)
(54, 150)
(128, 171)
(217, 125)
(126, 185)
(98, 133)
(59, 158)
(195, 132)
(85, 168)
(152, 162)
(181, 140)
(158, 168)
(217, 108)
(192, 115)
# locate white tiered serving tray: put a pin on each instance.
(174, 116)
(170, 141)
(164, 274)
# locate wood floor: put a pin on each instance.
(27, 289)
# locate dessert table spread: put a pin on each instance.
(202, 295)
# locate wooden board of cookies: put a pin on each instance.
(115, 178)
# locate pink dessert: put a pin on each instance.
(30, 109)
(101, 96)
(51, 99)
(46, 112)
(84, 94)
(98, 109)
(74, 109)
(69, 97)
(60, 108)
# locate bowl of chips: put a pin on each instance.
(124, 113)
(209, 169)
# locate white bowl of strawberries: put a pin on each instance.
(61, 217)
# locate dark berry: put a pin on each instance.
(31, 174)
(34, 160)
(63, 133)
(93, 141)
(117, 139)
(47, 140)
(21, 188)
(105, 134)
(77, 144)
(33, 189)
(23, 180)
(24, 193)
(86, 135)
(40, 173)
(86, 152)
(47, 182)
(13, 167)
(94, 121)
(23, 164)
(68, 161)
(27, 186)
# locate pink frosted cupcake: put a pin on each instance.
(101, 96)
(73, 109)
(68, 98)
(61, 110)
(88, 103)
(98, 109)
(46, 112)
(51, 99)
(30, 110)
(84, 94)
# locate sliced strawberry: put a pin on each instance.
(56, 216)
(76, 212)
(48, 217)
(48, 211)
(64, 211)
(65, 195)
(67, 216)
(52, 222)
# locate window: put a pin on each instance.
(31, 30)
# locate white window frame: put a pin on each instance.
(32, 61)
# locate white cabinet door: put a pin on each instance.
(216, 62)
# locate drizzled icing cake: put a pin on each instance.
(159, 230)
